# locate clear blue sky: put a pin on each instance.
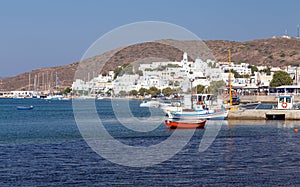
(46, 33)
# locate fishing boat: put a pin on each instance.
(200, 102)
(196, 115)
(185, 124)
(25, 107)
(54, 97)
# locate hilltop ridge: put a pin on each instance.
(268, 52)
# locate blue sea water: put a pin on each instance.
(43, 147)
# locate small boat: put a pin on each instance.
(25, 107)
(172, 107)
(54, 97)
(65, 99)
(196, 115)
(147, 103)
(185, 124)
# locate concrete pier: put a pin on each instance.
(263, 98)
(264, 114)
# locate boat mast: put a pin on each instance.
(29, 82)
(34, 82)
(192, 80)
(229, 79)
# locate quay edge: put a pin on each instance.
(263, 98)
(263, 114)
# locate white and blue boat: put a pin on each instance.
(199, 109)
(25, 107)
(202, 114)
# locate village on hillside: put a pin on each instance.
(127, 80)
(246, 79)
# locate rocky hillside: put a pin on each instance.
(44, 78)
(273, 52)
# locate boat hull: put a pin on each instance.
(185, 124)
(154, 104)
(25, 107)
(197, 116)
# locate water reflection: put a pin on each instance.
(278, 123)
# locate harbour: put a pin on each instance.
(44, 147)
(150, 93)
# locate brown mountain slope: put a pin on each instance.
(45, 77)
(273, 52)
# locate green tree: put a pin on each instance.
(127, 69)
(211, 64)
(133, 92)
(253, 69)
(117, 71)
(124, 69)
(266, 70)
(167, 91)
(173, 65)
(139, 72)
(236, 74)
(143, 91)
(215, 85)
(176, 83)
(154, 91)
(122, 93)
(281, 78)
(110, 91)
(200, 88)
(67, 90)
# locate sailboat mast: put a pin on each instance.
(34, 82)
(29, 82)
(229, 79)
(56, 86)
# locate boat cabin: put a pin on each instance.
(203, 99)
(285, 102)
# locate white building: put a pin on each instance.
(242, 69)
(80, 85)
(164, 74)
(126, 83)
(100, 84)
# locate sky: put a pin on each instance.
(45, 33)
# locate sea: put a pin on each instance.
(46, 147)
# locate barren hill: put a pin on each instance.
(272, 52)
